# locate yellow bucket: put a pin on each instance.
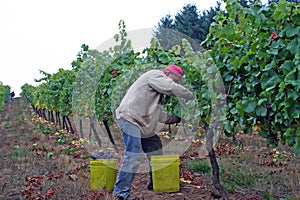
(165, 173)
(103, 173)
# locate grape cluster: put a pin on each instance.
(102, 155)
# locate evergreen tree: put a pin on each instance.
(206, 18)
(247, 3)
(276, 1)
(188, 24)
(188, 21)
(166, 22)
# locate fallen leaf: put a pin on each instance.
(73, 177)
(49, 193)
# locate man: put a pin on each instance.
(138, 115)
(12, 95)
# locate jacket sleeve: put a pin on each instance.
(167, 86)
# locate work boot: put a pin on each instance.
(132, 198)
(150, 182)
(128, 198)
(150, 186)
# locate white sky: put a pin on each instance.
(47, 34)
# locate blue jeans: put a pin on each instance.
(135, 145)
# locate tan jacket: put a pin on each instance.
(142, 103)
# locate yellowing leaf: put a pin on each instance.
(185, 181)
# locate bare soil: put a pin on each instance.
(34, 165)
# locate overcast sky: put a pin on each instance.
(47, 35)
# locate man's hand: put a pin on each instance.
(173, 119)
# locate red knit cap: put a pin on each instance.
(174, 69)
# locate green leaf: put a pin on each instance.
(272, 51)
(262, 55)
(280, 97)
(49, 154)
(282, 87)
(234, 111)
(268, 80)
(248, 68)
(269, 66)
(248, 129)
(296, 111)
(261, 101)
(293, 46)
(256, 73)
(292, 94)
(261, 111)
(297, 134)
(249, 105)
(291, 30)
(297, 147)
(290, 78)
(243, 59)
(263, 133)
(228, 77)
(278, 117)
(287, 66)
(235, 63)
(228, 126)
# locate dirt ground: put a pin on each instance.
(39, 161)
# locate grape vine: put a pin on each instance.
(4, 95)
(257, 53)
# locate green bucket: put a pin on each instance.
(165, 173)
(103, 173)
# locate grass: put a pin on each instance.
(45, 128)
(253, 165)
(234, 179)
(9, 127)
(273, 172)
(269, 182)
(16, 153)
(19, 121)
(199, 167)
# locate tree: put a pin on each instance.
(4, 94)
(188, 22)
(246, 3)
(167, 22)
(276, 1)
(191, 24)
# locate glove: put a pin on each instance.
(173, 119)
